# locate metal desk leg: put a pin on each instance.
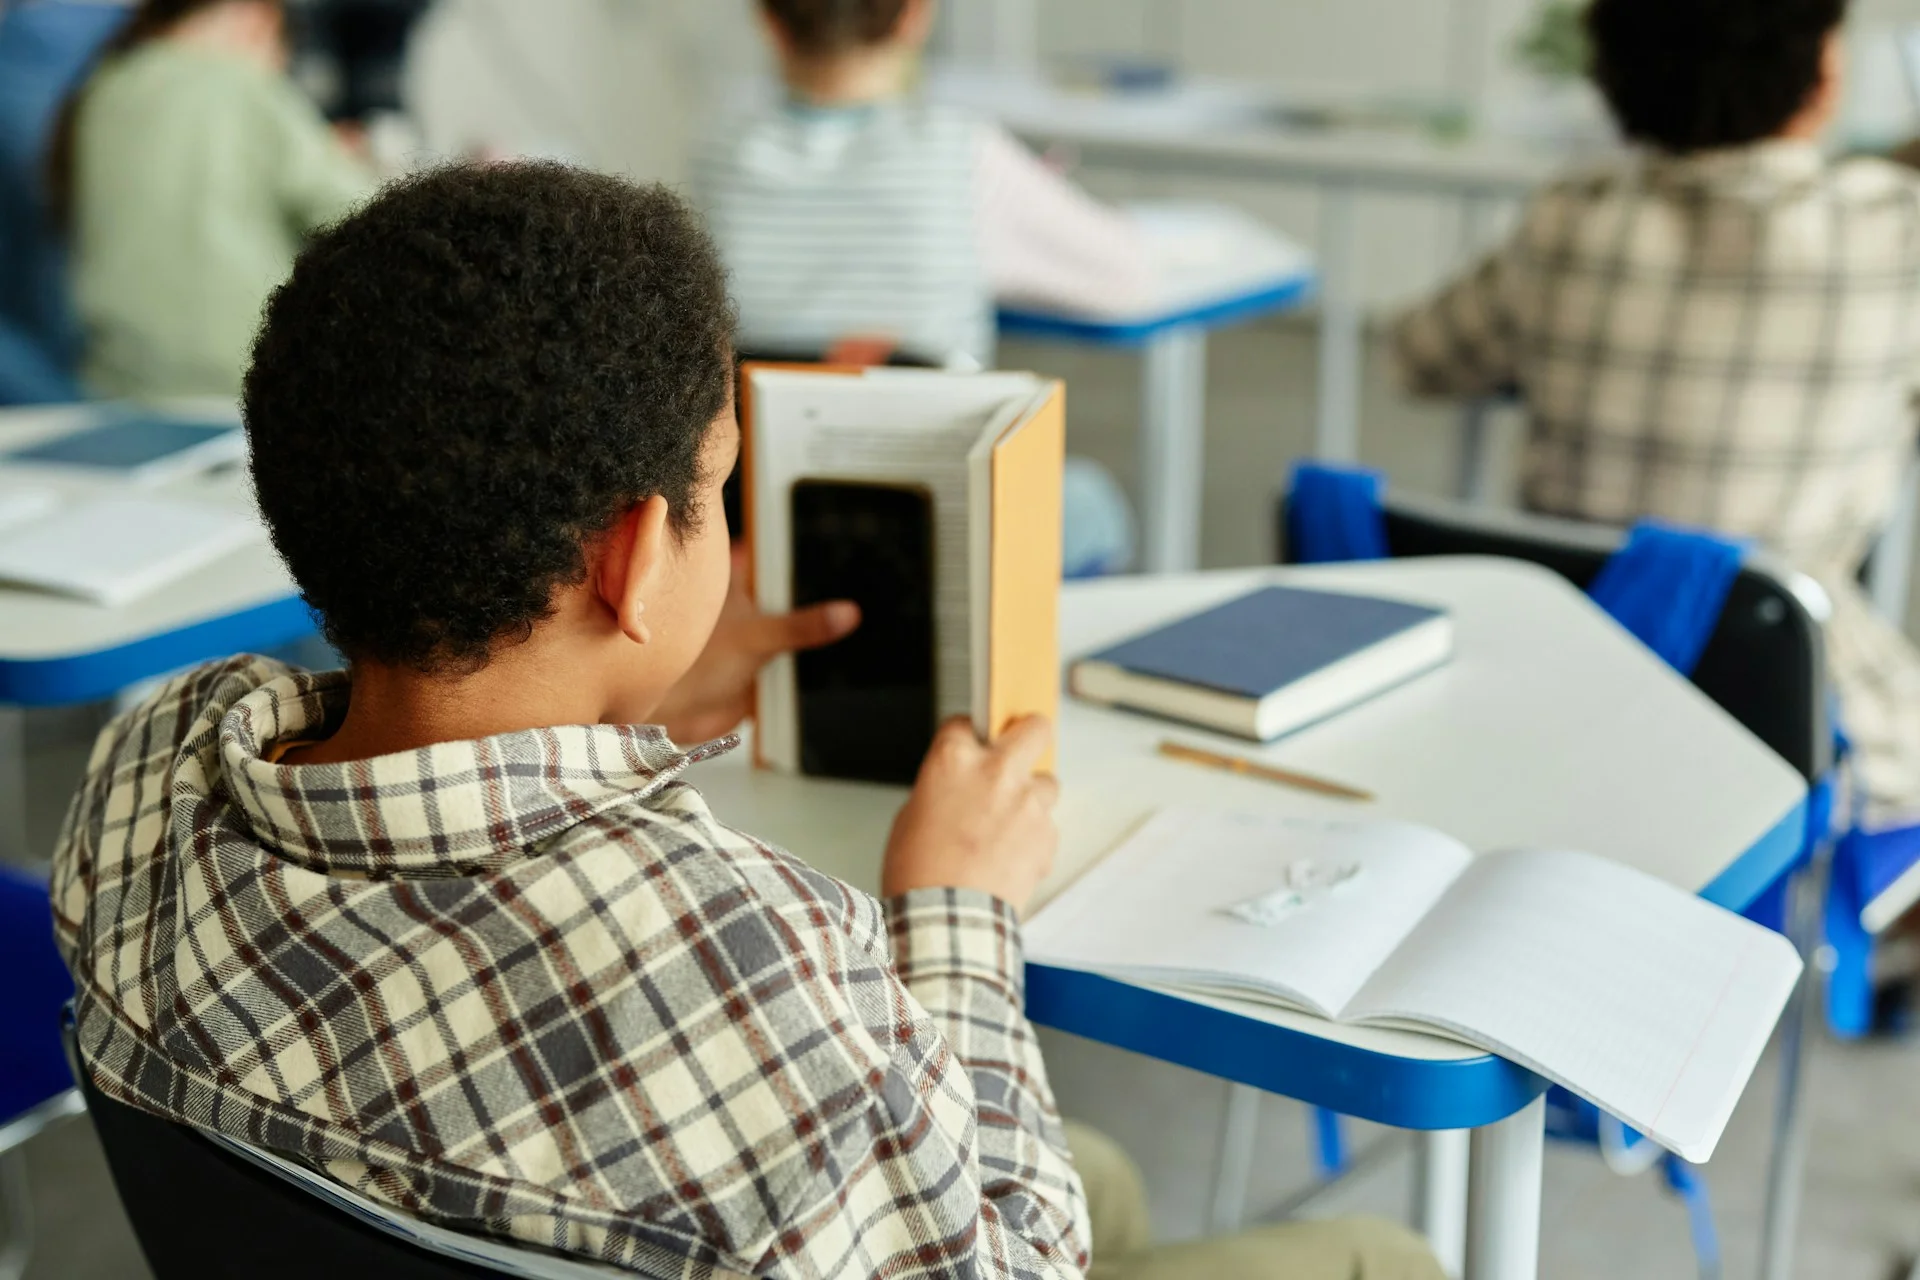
(1239, 1126)
(16, 1215)
(1440, 1165)
(13, 786)
(1786, 1169)
(1336, 436)
(1173, 449)
(1476, 420)
(1503, 1196)
(1890, 576)
(1476, 425)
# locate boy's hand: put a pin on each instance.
(717, 694)
(978, 818)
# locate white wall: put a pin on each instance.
(1427, 50)
(1460, 50)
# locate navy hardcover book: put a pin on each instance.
(1269, 662)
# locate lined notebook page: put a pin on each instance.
(1155, 908)
(1648, 1002)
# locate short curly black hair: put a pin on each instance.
(1692, 75)
(822, 27)
(465, 381)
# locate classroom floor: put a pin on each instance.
(1862, 1214)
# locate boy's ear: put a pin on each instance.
(631, 563)
(776, 34)
(916, 22)
(1823, 101)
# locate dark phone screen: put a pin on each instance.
(867, 702)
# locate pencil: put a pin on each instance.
(1254, 769)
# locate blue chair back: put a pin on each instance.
(33, 1066)
(1763, 662)
(46, 48)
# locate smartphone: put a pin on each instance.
(866, 703)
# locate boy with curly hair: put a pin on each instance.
(451, 926)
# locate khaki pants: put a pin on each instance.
(1342, 1249)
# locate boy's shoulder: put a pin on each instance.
(1879, 177)
(161, 722)
(172, 67)
(709, 861)
(1788, 173)
(1654, 197)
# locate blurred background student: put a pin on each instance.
(852, 209)
(187, 170)
(1722, 331)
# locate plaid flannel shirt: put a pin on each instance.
(529, 986)
(1729, 340)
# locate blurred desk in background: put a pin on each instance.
(59, 651)
(1236, 132)
(1216, 267)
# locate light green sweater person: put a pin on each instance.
(197, 174)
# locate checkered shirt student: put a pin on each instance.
(452, 928)
(1718, 335)
(530, 983)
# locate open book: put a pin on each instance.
(1643, 999)
(932, 499)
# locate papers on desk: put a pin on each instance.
(115, 550)
(22, 505)
(1645, 1000)
(1206, 252)
(1203, 256)
(140, 450)
(1180, 109)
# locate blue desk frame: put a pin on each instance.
(1284, 295)
(73, 678)
(90, 677)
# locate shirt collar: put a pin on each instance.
(450, 808)
(1774, 162)
(848, 113)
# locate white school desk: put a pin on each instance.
(1251, 272)
(1219, 140)
(56, 651)
(1551, 728)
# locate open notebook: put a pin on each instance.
(1645, 1000)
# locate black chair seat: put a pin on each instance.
(204, 1213)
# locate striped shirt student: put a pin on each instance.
(1723, 335)
(853, 209)
(903, 220)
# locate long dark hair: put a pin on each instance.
(151, 19)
